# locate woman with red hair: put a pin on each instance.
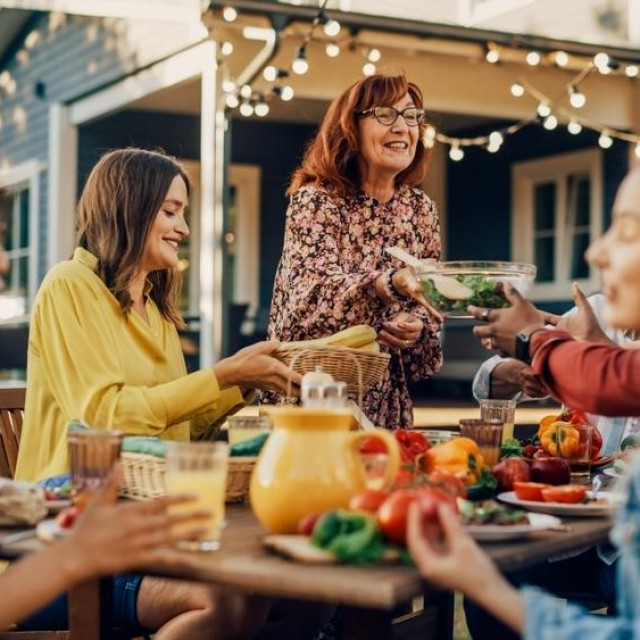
(353, 195)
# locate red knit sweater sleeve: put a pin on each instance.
(596, 378)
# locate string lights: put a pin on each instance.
(548, 112)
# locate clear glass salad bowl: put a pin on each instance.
(452, 286)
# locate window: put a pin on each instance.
(18, 234)
(556, 213)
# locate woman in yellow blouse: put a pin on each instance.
(104, 349)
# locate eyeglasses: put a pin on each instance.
(388, 115)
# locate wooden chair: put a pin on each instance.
(11, 416)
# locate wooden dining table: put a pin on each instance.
(375, 601)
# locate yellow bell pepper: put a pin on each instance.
(460, 456)
(560, 438)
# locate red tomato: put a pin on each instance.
(392, 515)
(66, 519)
(529, 490)
(306, 524)
(566, 493)
(446, 481)
(405, 478)
(368, 500)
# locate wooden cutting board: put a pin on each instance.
(299, 548)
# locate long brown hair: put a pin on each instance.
(118, 205)
(331, 159)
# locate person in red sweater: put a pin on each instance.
(564, 363)
(595, 377)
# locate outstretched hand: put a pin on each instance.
(582, 324)
(503, 324)
(256, 367)
(112, 538)
(405, 282)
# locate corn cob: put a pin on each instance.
(355, 337)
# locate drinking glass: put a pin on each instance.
(200, 469)
(241, 428)
(573, 443)
(487, 435)
(374, 466)
(92, 455)
(499, 411)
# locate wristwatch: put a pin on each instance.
(523, 341)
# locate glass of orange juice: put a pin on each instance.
(199, 469)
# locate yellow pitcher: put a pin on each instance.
(310, 464)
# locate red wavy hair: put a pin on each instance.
(331, 159)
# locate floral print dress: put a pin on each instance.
(333, 252)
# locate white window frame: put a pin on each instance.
(525, 175)
(26, 176)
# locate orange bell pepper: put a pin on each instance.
(460, 456)
(560, 438)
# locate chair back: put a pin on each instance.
(11, 417)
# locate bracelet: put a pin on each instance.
(397, 295)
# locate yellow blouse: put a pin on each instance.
(89, 361)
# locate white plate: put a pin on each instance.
(57, 505)
(562, 509)
(49, 530)
(496, 532)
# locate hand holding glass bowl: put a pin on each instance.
(451, 287)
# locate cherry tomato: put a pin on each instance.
(306, 524)
(566, 493)
(529, 490)
(368, 500)
(66, 519)
(447, 482)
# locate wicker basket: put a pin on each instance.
(144, 477)
(361, 370)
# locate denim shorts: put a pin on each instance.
(125, 596)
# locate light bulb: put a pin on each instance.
(332, 50)
(286, 93)
(332, 28)
(246, 109)
(300, 64)
(492, 55)
(496, 138)
(631, 71)
(517, 90)
(369, 69)
(226, 48)
(574, 127)
(456, 153)
(543, 109)
(637, 150)
(601, 60)
(374, 55)
(562, 58)
(228, 86)
(232, 101)
(493, 148)
(577, 98)
(246, 91)
(261, 109)
(605, 140)
(229, 14)
(429, 136)
(533, 58)
(270, 73)
(550, 122)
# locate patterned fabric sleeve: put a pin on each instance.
(319, 297)
(425, 358)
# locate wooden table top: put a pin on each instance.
(242, 562)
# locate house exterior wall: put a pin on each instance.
(70, 56)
